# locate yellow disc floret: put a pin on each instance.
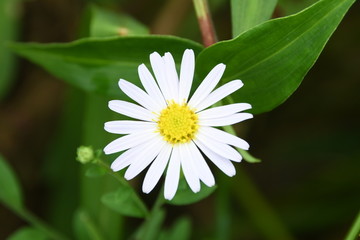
(178, 123)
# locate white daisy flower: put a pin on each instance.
(173, 131)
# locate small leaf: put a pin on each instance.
(27, 233)
(10, 192)
(95, 65)
(248, 157)
(246, 14)
(185, 196)
(125, 202)
(95, 171)
(273, 58)
(104, 23)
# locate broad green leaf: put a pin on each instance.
(10, 192)
(96, 65)
(246, 14)
(27, 233)
(85, 228)
(104, 23)
(273, 58)
(9, 23)
(185, 196)
(125, 202)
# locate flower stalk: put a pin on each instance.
(205, 22)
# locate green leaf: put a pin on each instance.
(27, 233)
(185, 196)
(125, 202)
(246, 14)
(104, 23)
(9, 25)
(273, 58)
(95, 65)
(10, 192)
(84, 227)
(150, 230)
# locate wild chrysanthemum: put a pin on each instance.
(172, 130)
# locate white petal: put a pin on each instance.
(219, 94)
(171, 75)
(220, 148)
(129, 141)
(222, 163)
(150, 85)
(144, 158)
(138, 95)
(156, 169)
(223, 111)
(224, 137)
(131, 110)
(225, 121)
(186, 75)
(158, 66)
(203, 169)
(172, 174)
(126, 158)
(128, 126)
(209, 83)
(189, 170)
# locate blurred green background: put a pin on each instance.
(310, 145)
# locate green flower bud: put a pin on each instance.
(85, 154)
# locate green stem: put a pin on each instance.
(39, 224)
(120, 179)
(151, 227)
(354, 232)
(205, 22)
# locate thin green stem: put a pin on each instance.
(354, 232)
(152, 225)
(39, 224)
(205, 22)
(120, 179)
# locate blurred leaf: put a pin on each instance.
(10, 192)
(125, 202)
(104, 23)
(151, 229)
(273, 58)
(9, 22)
(181, 230)
(95, 65)
(95, 171)
(248, 157)
(27, 233)
(249, 13)
(185, 196)
(84, 227)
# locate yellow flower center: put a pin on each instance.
(178, 123)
